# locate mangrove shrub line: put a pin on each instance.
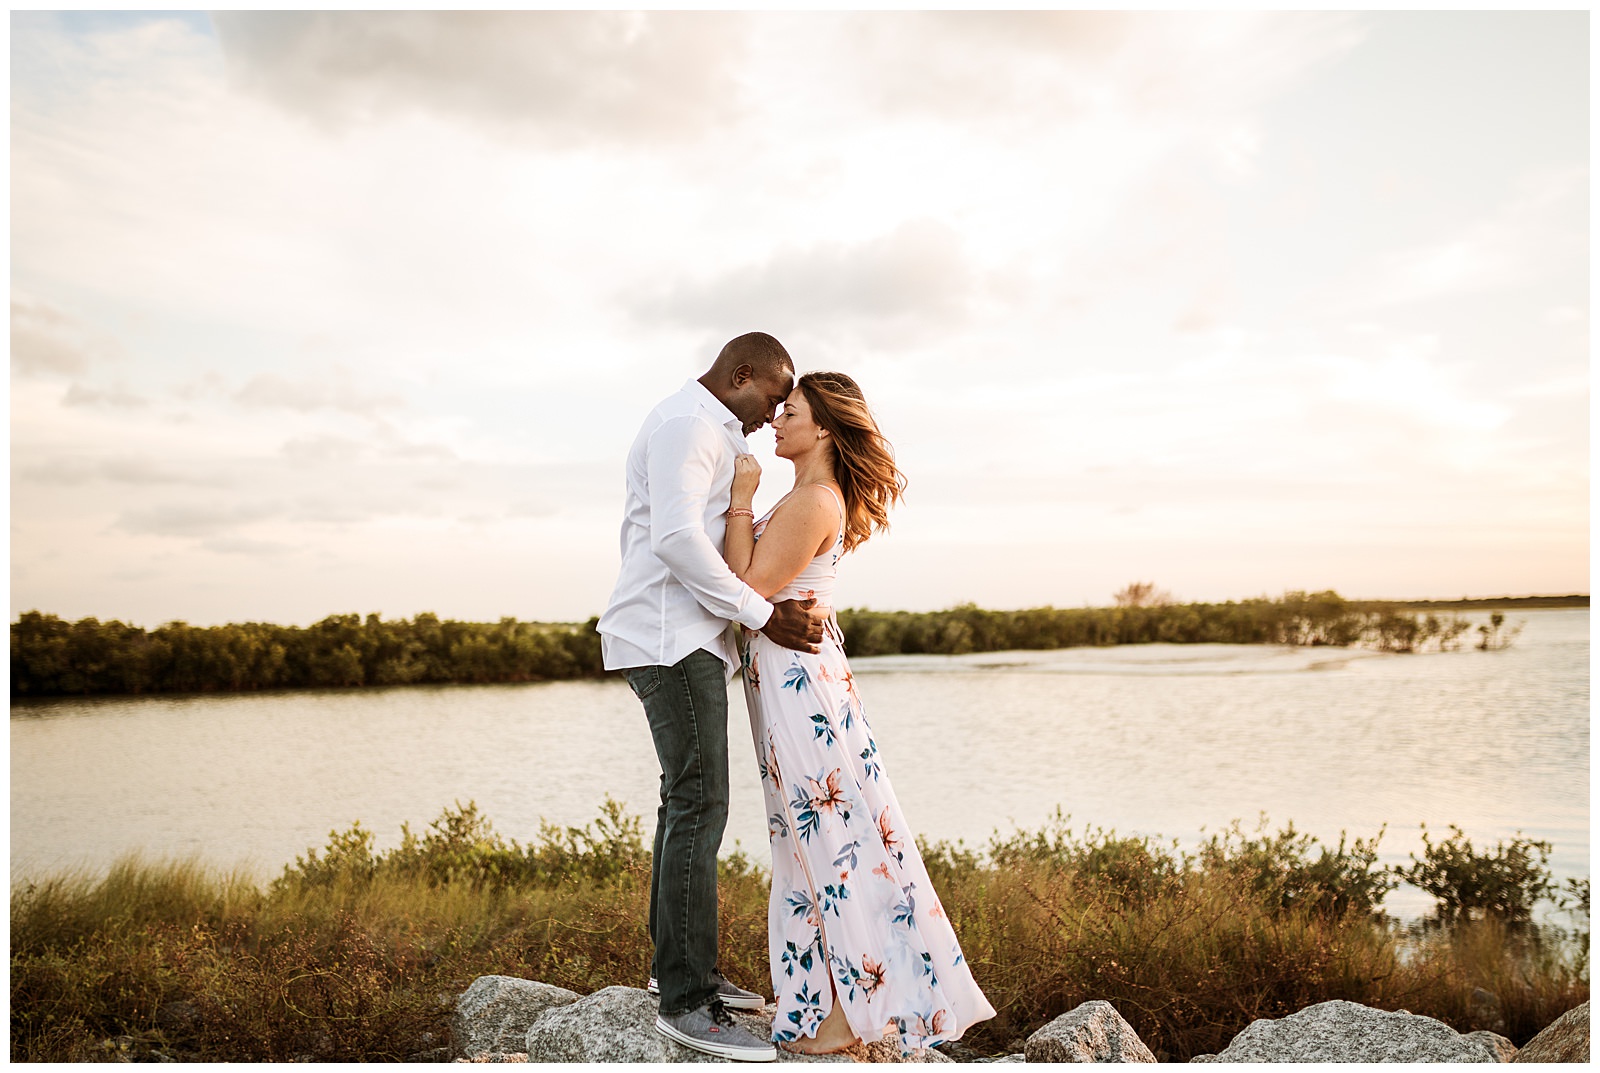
(53, 657)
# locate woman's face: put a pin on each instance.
(794, 430)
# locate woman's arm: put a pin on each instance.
(740, 542)
(803, 527)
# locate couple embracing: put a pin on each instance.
(860, 946)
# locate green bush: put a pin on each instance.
(462, 847)
(1463, 882)
(1134, 869)
(1284, 874)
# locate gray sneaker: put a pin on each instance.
(731, 994)
(711, 1029)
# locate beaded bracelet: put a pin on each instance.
(740, 511)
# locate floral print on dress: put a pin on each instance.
(752, 672)
(892, 842)
(853, 917)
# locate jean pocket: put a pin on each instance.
(643, 680)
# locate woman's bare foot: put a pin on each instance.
(834, 1034)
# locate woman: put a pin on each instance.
(859, 942)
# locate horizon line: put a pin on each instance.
(956, 606)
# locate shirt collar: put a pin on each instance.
(710, 402)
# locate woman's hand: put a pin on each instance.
(746, 479)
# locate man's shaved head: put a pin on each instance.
(760, 351)
(752, 376)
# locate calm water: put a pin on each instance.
(1150, 739)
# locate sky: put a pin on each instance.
(316, 313)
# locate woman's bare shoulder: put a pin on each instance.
(811, 506)
(811, 500)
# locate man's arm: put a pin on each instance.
(681, 464)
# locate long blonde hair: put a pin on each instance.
(864, 461)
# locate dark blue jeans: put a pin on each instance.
(687, 706)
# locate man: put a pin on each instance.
(667, 627)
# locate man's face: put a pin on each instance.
(758, 399)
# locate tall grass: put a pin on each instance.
(1192, 948)
(356, 955)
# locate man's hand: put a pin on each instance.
(794, 624)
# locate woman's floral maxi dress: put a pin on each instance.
(852, 912)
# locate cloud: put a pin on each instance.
(342, 450)
(324, 450)
(45, 340)
(136, 471)
(194, 519)
(910, 281)
(572, 76)
(143, 471)
(1506, 247)
(118, 397)
(420, 452)
(269, 390)
(531, 508)
(327, 485)
(246, 546)
(954, 64)
(58, 473)
(1023, 66)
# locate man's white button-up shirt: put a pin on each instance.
(675, 593)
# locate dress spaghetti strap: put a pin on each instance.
(840, 499)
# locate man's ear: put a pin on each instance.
(743, 374)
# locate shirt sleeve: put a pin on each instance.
(681, 467)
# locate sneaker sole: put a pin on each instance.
(733, 1054)
(733, 1002)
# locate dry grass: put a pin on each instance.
(1192, 966)
(355, 957)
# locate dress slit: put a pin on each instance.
(843, 855)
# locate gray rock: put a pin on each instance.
(1565, 1040)
(888, 1050)
(496, 1056)
(1093, 1032)
(957, 1051)
(618, 1024)
(1340, 1031)
(615, 1024)
(436, 1054)
(1500, 1048)
(960, 1052)
(493, 1015)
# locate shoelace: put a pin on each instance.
(720, 1014)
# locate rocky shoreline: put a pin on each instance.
(506, 1019)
